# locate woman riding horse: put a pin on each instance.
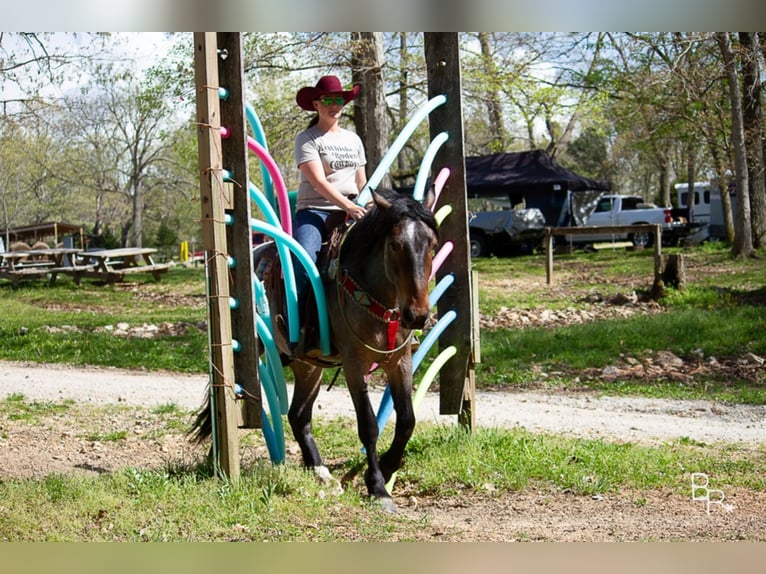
(377, 293)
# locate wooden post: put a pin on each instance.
(212, 199)
(657, 251)
(467, 416)
(443, 68)
(239, 235)
(548, 255)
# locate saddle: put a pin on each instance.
(269, 271)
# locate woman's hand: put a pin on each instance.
(355, 211)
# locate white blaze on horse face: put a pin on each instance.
(408, 265)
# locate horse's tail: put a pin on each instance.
(202, 429)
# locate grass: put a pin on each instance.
(85, 311)
(16, 407)
(720, 313)
(184, 502)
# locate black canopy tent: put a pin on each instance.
(529, 177)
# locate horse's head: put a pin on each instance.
(411, 236)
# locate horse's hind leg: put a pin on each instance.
(307, 383)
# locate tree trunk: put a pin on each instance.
(401, 160)
(753, 127)
(664, 164)
(690, 177)
(743, 238)
(370, 109)
(723, 187)
(138, 211)
(494, 108)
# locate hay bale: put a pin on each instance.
(19, 246)
(39, 245)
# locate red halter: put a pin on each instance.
(390, 316)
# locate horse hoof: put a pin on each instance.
(323, 474)
(387, 505)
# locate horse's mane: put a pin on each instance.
(377, 224)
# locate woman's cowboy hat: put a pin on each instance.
(325, 85)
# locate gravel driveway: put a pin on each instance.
(585, 415)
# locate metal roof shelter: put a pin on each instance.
(42, 232)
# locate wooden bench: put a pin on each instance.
(76, 271)
(118, 274)
(19, 273)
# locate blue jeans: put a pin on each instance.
(310, 230)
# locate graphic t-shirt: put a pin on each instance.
(341, 154)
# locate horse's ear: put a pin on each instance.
(379, 200)
(429, 197)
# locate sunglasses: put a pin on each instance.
(330, 100)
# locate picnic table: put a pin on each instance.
(113, 264)
(37, 263)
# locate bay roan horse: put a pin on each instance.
(377, 294)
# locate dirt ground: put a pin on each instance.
(75, 441)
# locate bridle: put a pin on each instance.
(346, 286)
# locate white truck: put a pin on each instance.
(615, 210)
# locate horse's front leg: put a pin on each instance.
(400, 384)
(367, 428)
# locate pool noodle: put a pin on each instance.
(425, 165)
(291, 295)
(260, 137)
(274, 363)
(439, 182)
(445, 250)
(443, 212)
(279, 183)
(440, 288)
(276, 417)
(386, 404)
(428, 378)
(313, 275)
(396, 147)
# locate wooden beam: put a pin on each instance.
(239, 236)
(214, 240)
(443, 69)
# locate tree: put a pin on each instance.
(122, 126)
(753, 129)
(370, 118)
(743, 239)
(497, 129)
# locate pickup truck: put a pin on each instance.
(615, 210)
(506, 232)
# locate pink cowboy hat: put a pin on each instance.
(325, 85)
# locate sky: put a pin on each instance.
(144, 48)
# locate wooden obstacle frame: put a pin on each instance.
(229, 271)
